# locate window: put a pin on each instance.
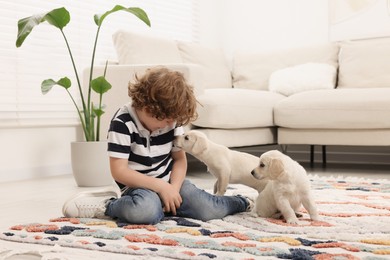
(44, 55)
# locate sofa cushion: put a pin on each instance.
(335, 109)
(242, 136)
(138, 48)
(303, 77)
(216, 72)
(364, 64)
(236, 108)
(252, 70)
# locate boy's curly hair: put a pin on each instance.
(164, 93)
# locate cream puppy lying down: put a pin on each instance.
(228, 166)
(288, 188)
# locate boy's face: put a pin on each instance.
(151, 123)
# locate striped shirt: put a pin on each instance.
(147, 153)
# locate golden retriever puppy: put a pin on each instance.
(288, 188)
(228, 166)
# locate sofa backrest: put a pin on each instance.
(216, 72)
(147, 48)
(364, 64)
(253, 70)
(143, 48)
(360, 64)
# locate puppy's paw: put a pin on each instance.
(294, 221)
(314, 217)
(220, 192)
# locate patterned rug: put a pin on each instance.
(354, 224)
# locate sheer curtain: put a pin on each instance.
(44, 55)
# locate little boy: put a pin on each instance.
(148, 169)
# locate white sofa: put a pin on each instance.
(332, 94)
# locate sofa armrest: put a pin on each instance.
(119, 77)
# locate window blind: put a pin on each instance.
(44, 55)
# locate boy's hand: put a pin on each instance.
(170, 197)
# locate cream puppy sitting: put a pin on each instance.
(288, 188)
(228, 166)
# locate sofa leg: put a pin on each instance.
(324, 156)
(284, 148)
(311, 155)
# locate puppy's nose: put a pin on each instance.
(253, 172)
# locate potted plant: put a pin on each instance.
(88, 112)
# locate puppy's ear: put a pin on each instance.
(200, 144)
(276, 168)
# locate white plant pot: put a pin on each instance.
(90, 164)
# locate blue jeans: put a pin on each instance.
(143, 206)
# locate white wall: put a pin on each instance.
(249, 25)
(32, 152)
(212, 15)
(254, 25)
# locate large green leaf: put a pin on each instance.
(138, 12)
(26, 25)
(100, 85)
(48, 84)
(58, 17)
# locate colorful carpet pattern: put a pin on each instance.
(354, 224)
